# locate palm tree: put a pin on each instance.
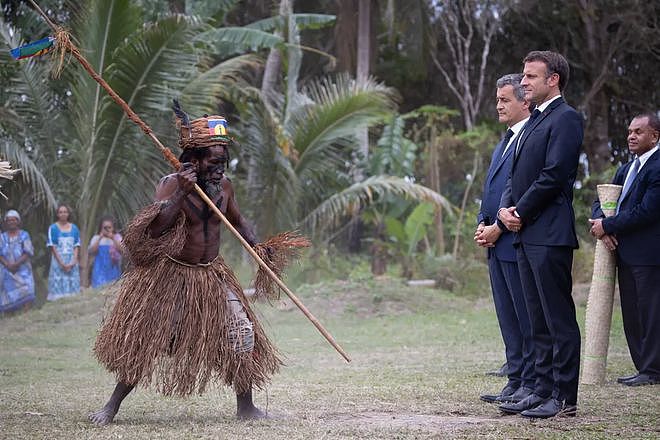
(28, 127)
(296, 140)
(105, 166)
(302, 147)
(299, 142)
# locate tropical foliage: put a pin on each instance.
(283, 73)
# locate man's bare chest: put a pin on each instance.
(198, 211)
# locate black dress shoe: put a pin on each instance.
(529, 402)
(492, 398)
(643, 379)
(624, 379)
(501, 372)
(519, 395)
(551, 408)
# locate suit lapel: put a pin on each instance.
(503, 158)
(530, 128)
(620, 178)
(494, 162)
(639, 176)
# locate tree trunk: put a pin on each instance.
(345, 36)
(363, 61)
(273, 63)
(596, 136)
(466, 193)
(177, 6)
(436, 185)
(364, 40)
(269, 85)
(440, 244)
(379, 252)
(362, 132)
(83, 259)
(271, 75)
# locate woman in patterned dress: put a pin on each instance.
(64, 243)
(17, 282)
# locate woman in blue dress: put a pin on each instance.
(16, 249)
(106, 249)
(64, 243)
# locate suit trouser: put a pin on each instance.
(639, 287)
(513, 320)
(545, 273)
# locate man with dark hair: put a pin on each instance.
(634, 232)
(512, 110)
(181, 318)
(537, 206)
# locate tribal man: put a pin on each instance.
(181, 317)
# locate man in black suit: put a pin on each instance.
(537, 206)
(634, 232)
(512, 110)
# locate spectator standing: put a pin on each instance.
(106, 248)
(634, 232)
(64, 243)
(16, 250)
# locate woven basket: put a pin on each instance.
(601, 298)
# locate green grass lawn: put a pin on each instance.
(418, 363)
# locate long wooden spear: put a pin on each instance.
(64, 44)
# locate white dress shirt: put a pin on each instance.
(642, 160)
(515, 128)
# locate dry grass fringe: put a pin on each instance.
(146, 251)
(169, 328)
(277, 252)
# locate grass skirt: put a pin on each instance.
(169, 327)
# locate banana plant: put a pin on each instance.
(404, 236)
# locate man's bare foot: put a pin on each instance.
(103, 416)
(250, 413)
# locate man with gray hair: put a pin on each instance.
(512, 110)
(537, 206)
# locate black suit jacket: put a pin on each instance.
(498, 172)
(637, 225)
(540, 184)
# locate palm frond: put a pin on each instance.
(9, 120)
(273, 186)
(303, 22)
(294, 61)
(154, 60)
(362, 194)
(220, 82)
(29, 96)
(321, 129)
(38, 186)
(102, 27)
(394, 154)
(217, 9)
(230, 40)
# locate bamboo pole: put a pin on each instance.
(64, 44)
(601, 298)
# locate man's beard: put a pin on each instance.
(211, 187)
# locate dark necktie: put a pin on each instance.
(505, 140)
(533, 116)
(628, 183)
